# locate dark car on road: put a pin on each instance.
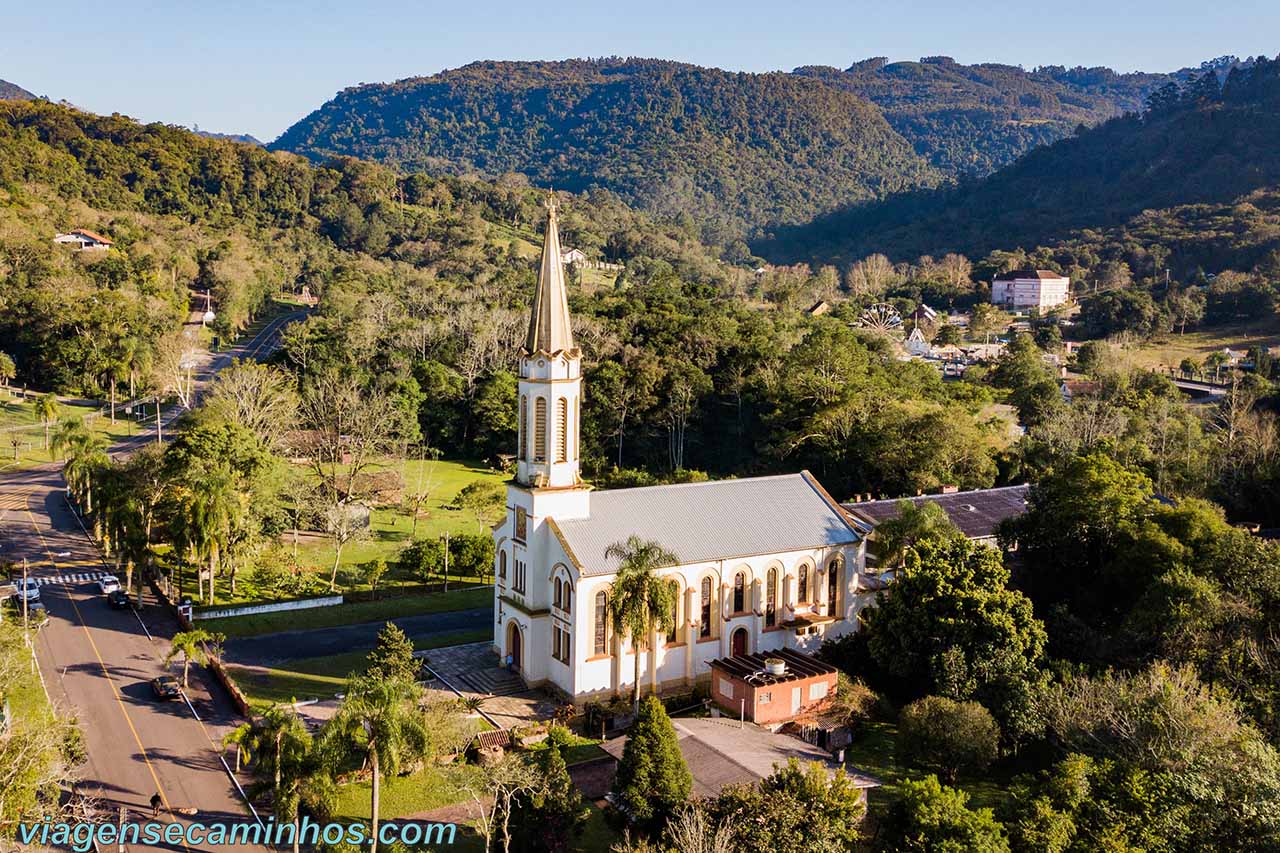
(119, 600)
(165, 687)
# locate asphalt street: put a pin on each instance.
(98, 662)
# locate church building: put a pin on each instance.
(764, 563)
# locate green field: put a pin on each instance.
(1169, 349)
(390, 527)
(351, 614)
(20, 448)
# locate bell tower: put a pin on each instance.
(550, 386)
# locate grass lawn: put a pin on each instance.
(872, 751)
(351, 614)
(425, 790)
(30, 441)
(322, 677)
(1169, 350)
(391, 529)
(580, 749)
(26, 698)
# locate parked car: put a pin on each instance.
(108, 584)
(28, 590)
(119, 600)
(165, 687)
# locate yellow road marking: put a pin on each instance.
(106, 674)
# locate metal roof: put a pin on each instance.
(977, 513)
(799, 666)
(703, 522)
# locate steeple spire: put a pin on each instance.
(549, 329)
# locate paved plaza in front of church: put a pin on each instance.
(473, 669)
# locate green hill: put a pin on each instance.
(735, 151)
(1199, 144)
(973, 119)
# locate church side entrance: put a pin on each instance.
(738, 643)
(513, 646)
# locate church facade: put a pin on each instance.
(765, 563)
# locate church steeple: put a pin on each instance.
(549, 328)
(550, 379)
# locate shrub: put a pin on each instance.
(652, 780)
(927, 816)
(952, 736)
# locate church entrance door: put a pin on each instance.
(738, 643)
(513, 646)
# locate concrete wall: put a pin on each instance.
(274, 607)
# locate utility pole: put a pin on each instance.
(159, 437)
(446, 561)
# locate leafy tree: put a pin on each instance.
(916, 521)
(952, 736)
(7, 369)
(551, 817)
(930, 818)
(796, 809)
(652, 779)
(391, 659)
(374, 572)
(640, 603)
(484, 499)
(951, 626)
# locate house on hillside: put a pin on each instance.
(1074, 389)
(1021, 290)
(572, 257)
(82, 239)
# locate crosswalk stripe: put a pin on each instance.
(78, 577)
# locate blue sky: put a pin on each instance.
(256, 67)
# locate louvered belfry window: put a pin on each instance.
(524, 427)
(540, 430)
(562, 430)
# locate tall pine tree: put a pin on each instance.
(653, 780)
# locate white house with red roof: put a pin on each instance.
(83, 238)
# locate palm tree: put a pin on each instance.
(286, 764)
(377, 721)
(641, 603)
(47, 412)
(213, 510)
(191, 645)
(86, 451)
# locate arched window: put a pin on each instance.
(802, 585)
(556, 598)
(602, 622)
(739, 592)
(540, 429)
(577, 424)
(502, 563)
(562, 430)
(524, 427)
(704, 628)
(833, 587)
(771, 599)
(674, 634)
(566, 600)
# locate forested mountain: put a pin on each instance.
(735, 151)
(1202, 143)
(247, 138)
(14, 92)
(969, 120)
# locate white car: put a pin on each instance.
(108, 584)
(28, 590)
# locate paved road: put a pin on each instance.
(271, 649)
(98, 662)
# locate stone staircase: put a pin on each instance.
(494, 681)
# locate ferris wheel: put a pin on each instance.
(881, 317)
